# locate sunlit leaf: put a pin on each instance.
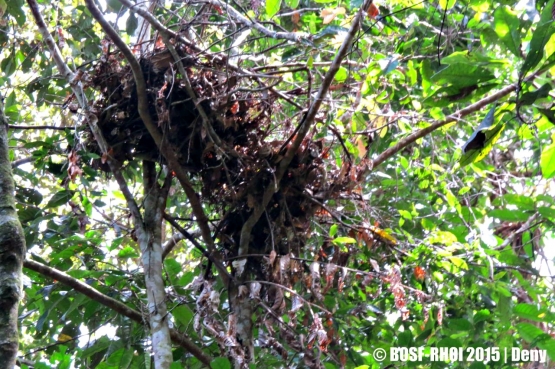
(272, 7)
(507, 27)
(547, 160)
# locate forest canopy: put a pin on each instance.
(276, 184)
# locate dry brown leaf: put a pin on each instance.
(272, 258)
(295, 18)
(255, 290)
(328, 15)
(239, 266)
(361, 146)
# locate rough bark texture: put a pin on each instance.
(12, 253)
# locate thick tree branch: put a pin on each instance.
(166, 35)
(169, 245)
(304, 127)
(410, 139)
(20, 162)
(113, 304)
(166, 151)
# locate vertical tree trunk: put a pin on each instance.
(150, 242)
(241, 321)
(12, 253)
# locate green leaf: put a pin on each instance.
(114, 5)
(449, 342)
(172, 267)
(333, 230)
(15, 8)
(3, 7)
(528, 331)
(458, 262)
(530, 97)
(272, 7)
(183, 315)
(341, 74)
(474, 58)
(99, 345)
(128, 252)
(28, 195)
(547, 160)
(459, 324)
(540, 36)
(548, 114)
(60, 198)
(509, 215)
(447, 4)
(293, 4)
(131, 24)
(404, 339)
(547, 212)
(462, 75)
(507, 26)
(521, 201)
(481, 316)
(220, 363)
(343, 240)
(530, 312)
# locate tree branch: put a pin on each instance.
(302, 130)
(11, 126)
(113, 304)
(410, 139)
(20, 162)
(150, 243)
(290, 36)
(90, 118)
(143, 105)
(209, 256)
(169, 245)
(166, 35)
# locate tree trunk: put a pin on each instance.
(150, 242)
(12, 253)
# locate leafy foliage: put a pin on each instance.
(374, 239)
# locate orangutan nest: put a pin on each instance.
(234, 174)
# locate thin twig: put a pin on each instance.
(217, 263)
(11, 126)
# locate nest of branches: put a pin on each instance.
(235, 167)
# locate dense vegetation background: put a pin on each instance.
(280, 184)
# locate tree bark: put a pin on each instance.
(12, 253)
(150, 242)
